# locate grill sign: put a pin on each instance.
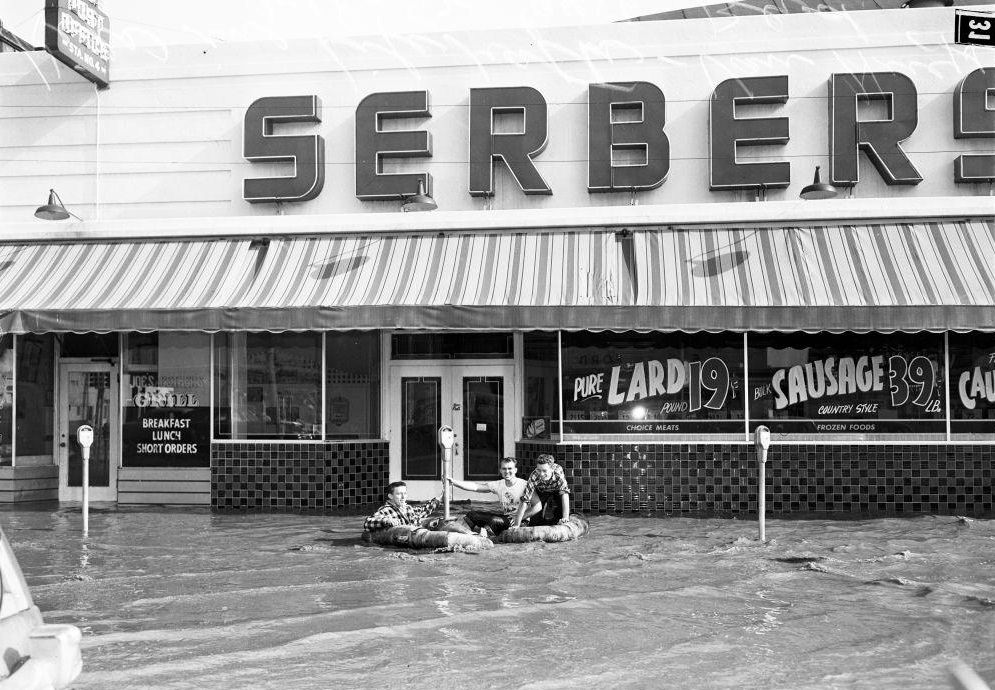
(78, 33)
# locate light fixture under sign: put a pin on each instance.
(54, 209)
(419, 201)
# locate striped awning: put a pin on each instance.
(907, 276)
(867, 277)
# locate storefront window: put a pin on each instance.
(35, 399)
(972, 384)
(166, 400)
(654, 383)
(267, 386)
(6, 397)
(847, 383)
(452, 346)
(542, 411)
(352, 385)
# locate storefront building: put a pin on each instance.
(619, 272)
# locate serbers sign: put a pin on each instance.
(628, 144)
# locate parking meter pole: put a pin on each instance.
(762, 497)
(86, 491)
(446, 489)
(84, 436)
(447, 439)
(762, 441)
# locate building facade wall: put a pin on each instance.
(295, 477)
(721, 479)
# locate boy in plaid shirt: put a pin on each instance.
(546, 500)
(396, 510)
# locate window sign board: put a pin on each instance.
(658, 383)
(78, 34)
(847, 383)
(972, 383)
(167, 436)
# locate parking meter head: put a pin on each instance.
(447, 438)
(762, 437)
(84, 434)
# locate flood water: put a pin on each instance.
(187, 599)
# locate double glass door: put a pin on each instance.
(88, 395)
(475, 400)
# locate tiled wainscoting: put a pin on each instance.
(297, 476)
(718, 479)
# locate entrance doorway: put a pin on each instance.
(88, 394)
(476, 400)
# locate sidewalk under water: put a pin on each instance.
(189, 599)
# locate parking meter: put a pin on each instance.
(84, 436)
(447, 439)
(761, 438)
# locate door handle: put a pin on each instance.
(62, 445)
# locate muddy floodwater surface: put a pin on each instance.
(187, 599)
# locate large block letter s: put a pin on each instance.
(973, 118)
(305, 151)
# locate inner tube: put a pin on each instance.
(417, 537)
(576, 528)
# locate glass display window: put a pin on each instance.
(166, 400)
(652, 383)
(267, 386)
(847, 384)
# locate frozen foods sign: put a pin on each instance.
(847, 384)
(78, 33)
(628, 146)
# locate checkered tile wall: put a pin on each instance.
(714, 479)
(284, 477)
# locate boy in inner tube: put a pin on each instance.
(396, 510)
(546, 500)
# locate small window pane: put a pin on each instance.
(6, 397)
(268, 386)
(542, 409)
(352, 385)
(421, 415)
(452, 346)
(35, 398)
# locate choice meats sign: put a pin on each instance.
(676, 383)
(610, 135)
